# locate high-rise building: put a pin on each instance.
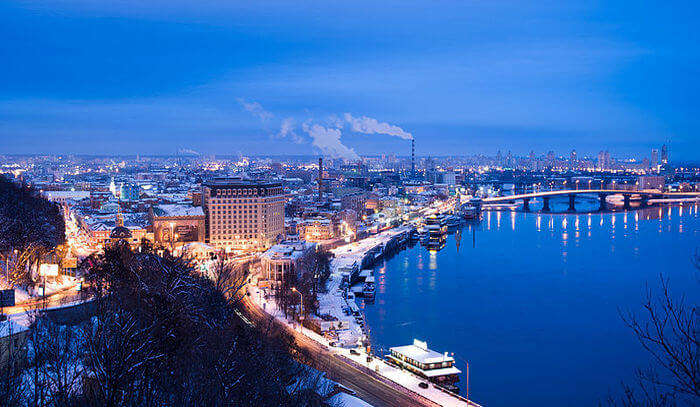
(654, 161)
(550, 158)
(604, 161)
(243, 214)
(664, 155)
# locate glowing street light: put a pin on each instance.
(172, 230)
(301, 301)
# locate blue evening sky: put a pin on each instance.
(464, 77)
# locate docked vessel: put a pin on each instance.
(436, 224)
(471, 208)
(436, 227)
(437, 368)
(453, 221)
(368, 288)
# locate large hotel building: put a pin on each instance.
(243, 214)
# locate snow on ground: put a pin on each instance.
(347, 400)
(379, 366)
(59, 284)
(333, 303)
(21, 295)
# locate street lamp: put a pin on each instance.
(172, 230)
(301, 301)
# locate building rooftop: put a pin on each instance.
(420, 353)
(171, 210)
(51, 195)
(291, 250)
(216, 182)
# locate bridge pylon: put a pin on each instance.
(627, 198)
(545, 206)
(601, 200)
(572, 202)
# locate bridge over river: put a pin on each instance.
(601, 193)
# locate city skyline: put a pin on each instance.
(335, 203)
(463, 79)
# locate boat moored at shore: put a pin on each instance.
(438, 368)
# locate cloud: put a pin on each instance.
(287, 130)
(328, 141)
(368, 125)
(256, 110)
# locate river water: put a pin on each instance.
(532, 300)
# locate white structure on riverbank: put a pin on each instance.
(284, 258)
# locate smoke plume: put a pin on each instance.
(287, 130)
(368, 125)
(328, 141)
(187, 151)
(324, 136)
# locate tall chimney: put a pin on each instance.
(320, 178)
(413, 158)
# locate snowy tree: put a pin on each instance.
(30, 227)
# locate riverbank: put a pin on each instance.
(531, 300)
(354, 256)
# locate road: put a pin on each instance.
(368, 387)
(53, 300)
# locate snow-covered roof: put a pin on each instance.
(170, 210)
(420, 353)
(291, 251)
(52, 195)
(198, 246)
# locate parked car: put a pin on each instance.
(354, 352)
(423, 385)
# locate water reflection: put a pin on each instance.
(574, 275)
(432, 262)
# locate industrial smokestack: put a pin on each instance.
(320, 178)
(413, 158)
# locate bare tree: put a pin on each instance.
(30, 226)
(57, 360)
(13, 389)
(668, 331)
(229, 278)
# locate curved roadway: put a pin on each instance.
(369, 388)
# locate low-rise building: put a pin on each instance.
(173, 223)
(61, 197)
(284, 258)
(316, 230)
